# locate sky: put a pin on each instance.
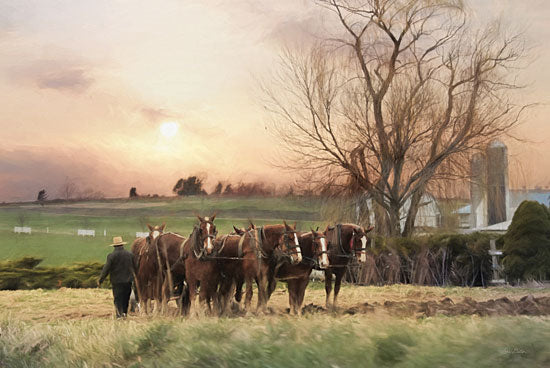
(86, 86)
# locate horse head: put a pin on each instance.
(207, 233)
(289, 243)
(359, 242)
(154, 234)
(320, 248)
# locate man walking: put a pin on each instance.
(120, 266)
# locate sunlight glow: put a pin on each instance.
(169, 129)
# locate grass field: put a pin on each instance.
(390, 326)
(75, 328)
(61, 246)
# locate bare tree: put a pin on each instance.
(68, 189)
(22, 218)
(398, 101)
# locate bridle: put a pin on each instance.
(287, 242)
(200, 250)
(352, 249)
(316, 260)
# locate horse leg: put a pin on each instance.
(239, 290)
(185, 300)
(214, 306)
(249, 292)
(226, 292)
(292, 296)
(272, 283)
(328, 287)
(192, 284)
(337, 283)
(262, 291)
(301, 292)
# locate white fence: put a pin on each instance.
(84, 232)
(22, 229)
(140, 234)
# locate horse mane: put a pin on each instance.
(194, 240)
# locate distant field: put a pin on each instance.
(124, 217)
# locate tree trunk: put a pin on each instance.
(412, 212)
(395, 220)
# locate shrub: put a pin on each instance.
(23, 274)
(527, 243)
(443, 259)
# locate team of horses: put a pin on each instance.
(216, 268)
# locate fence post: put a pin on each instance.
(496, 267)
(104, 232)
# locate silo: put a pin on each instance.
(478, 190)
(497, 182)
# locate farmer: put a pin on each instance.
(120, 265)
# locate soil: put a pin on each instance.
(526, 305)
(397, 301)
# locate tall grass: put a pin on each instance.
(314, 341)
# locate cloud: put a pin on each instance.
(56, 74)
(155, 115)
(72, 80)
(304, 30)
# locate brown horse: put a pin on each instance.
(346, 241)
(200, 269)
(147, 279)
(315, 254)
(171, 247)
(232, 250)
(247, 257)
(154, 256)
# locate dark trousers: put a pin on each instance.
(121, 293)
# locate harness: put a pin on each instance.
(343, 253)
(257, 236)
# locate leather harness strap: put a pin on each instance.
(240, 248)
(223, 239)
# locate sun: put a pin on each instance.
(169, 129)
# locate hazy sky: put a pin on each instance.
(85, 86)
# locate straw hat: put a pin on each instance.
(117, 240)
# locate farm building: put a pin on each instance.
(515, 198)
(428, 216)
(492, 203)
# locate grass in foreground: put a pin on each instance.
(316, 341)
(74, 328)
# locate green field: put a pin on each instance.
(54, 226)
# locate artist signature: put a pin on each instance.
(514, 350)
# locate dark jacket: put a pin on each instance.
(120, 265)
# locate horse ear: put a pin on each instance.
(213, 217)
(238, 231)
(150, 227)
(286, 225)
(369, 229)
(162, 226)
(294, 225)
(317, 229)
(200, 218)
